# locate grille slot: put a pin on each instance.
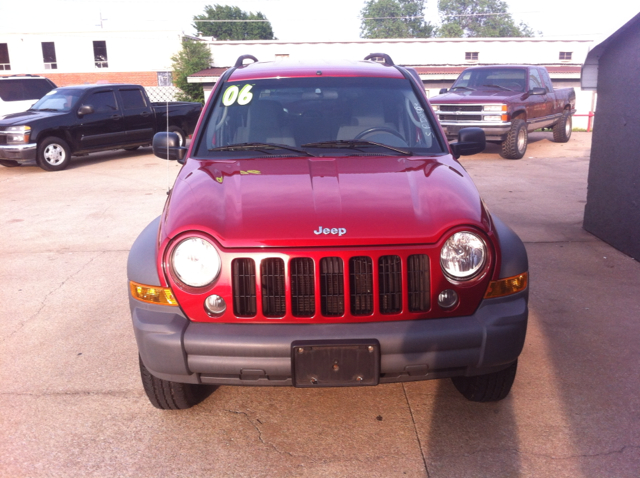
(303, 287)
(332, 286)
(273, 291)
(361, 285)
(460, 108)
(460, 118)
(390, 284)
(244, 287)
(418, 283)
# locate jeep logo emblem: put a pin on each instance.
(334, 230)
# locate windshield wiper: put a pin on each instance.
(259, 147)
(463, 87)
(498, 86)
(45, 109)
(354, 144)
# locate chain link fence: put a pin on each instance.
(162, 93)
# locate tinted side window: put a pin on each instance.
(132, 99)
(102, 102)
(23, 89)
(534, 79)
(546, 79)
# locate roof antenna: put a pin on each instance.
(102, 20)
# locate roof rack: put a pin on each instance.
(374, 56)
(241, 59)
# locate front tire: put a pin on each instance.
(167, 395)
(562, 129)
(53, 154)
(515, 145)
(181, 134)
(491, 387)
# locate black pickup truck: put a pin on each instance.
(76, 120)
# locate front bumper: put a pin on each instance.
(174, 348)
(492, 131)
(19, 152)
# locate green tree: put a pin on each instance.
(395, 19)
(236, 30)
(478, 18)
(194, 57)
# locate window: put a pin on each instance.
(565, 55)
(471, 56)
(49, 55)
(100, 54)
(132, 99)
(534, 79)
(102, 102)
(165, 78)
(4, 57)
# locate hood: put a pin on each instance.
(490, 95)
(307, 202)
(27, 117)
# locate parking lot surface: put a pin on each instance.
(72, 402)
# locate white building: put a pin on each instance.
(90, 56)
(439, 61)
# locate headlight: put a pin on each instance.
(495, 108)
(195, 262)
(18, 134)
(435, 107)
(463, 255)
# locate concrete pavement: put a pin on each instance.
(72, 403)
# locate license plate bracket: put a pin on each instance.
(335, 363)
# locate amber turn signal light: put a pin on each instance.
(508, 286)
(152, 294)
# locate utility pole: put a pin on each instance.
(101, 20)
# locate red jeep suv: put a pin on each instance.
(321, 233)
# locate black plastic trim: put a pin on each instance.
(141, 264)
(514, 259)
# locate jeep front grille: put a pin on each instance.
(386, 284)
(244, 287)
(272, 282)
(303, 287)
(331, 286)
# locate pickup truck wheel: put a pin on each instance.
(515, 145)
(562, 129)
(167, 395)
(180, 133)
(491, 387)
(53, 154)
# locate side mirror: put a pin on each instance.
(443, 91)
(167, 146)
(85, 110)
(470, 141)
(538, 91)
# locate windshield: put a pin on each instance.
(343, 115)
(513, 79)
(58, 100)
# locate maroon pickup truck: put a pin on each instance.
(506, 102)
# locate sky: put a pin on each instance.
(297, 20)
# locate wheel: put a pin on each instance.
(180, 133)
(562, 129)
(167, 395)
(9, 163)
(515, 145)
(53, 154)
(491, 387)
